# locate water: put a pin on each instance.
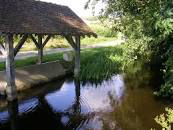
(116, 104)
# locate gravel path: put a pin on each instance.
(27, 54)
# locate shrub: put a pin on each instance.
(165, 120)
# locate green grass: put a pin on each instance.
(33, 60)
(92, 40)
(101, 63)
(97, 64)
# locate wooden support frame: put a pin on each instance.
(75, 43)
(71, 41)
(20, 44)
(35, 41)
(2, 49)
(77, 57)
(40, 49)
(40, 45)
(46, 40)
(10, 68)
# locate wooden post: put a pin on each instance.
(40, 50)
(2, 49)
(20, 44)
(77, 57)
(10, 68)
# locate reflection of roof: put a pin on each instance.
(36, 17)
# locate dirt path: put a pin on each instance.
(27, 54)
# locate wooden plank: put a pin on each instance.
(47, 39)
(35, 41)
(40, 50)
(20, 44)
(10, 68)
(77, 57)
(2, 49)
(71, 41)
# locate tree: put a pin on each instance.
(148, 25)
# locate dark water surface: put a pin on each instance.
(116, 104)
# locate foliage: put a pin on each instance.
(147, 26)
(166, 89)
(165, 120)
(101, 63)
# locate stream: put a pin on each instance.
(116, 104)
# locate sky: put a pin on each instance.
(77, 6)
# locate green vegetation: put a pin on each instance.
(147, 26)
(103, 30)
(165, 120)
(101, 63)
(33, 60)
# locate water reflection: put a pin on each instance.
(110, 105)
(13, 113)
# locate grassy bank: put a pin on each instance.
(96, 63)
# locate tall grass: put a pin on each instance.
(101, 63)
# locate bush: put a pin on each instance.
(165, 120)
(166, 89)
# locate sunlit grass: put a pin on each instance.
(33, 60)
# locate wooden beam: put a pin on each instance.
(40, 50)
(77, 57)
(35, 41)
(47, 39)
(10, 68)
(71, 41)
(2, 49)
(20, 44)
